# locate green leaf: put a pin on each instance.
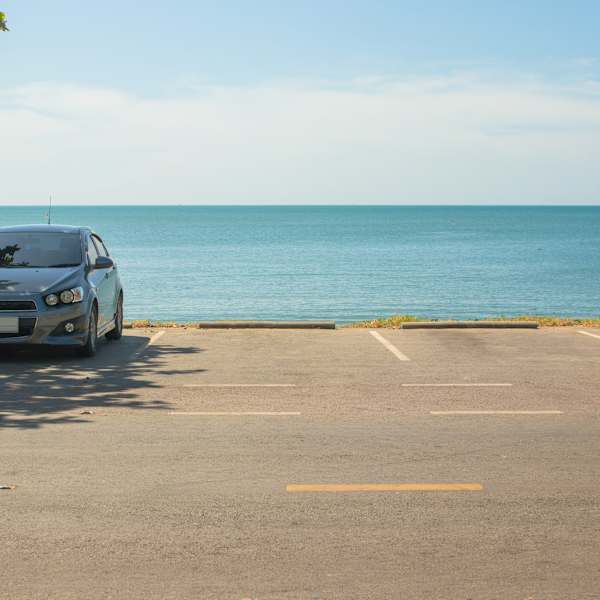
(3, 26)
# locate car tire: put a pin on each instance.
(90, 347)
(117, 332)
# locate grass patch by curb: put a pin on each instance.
(146, 323)
(389, 322)
(395, 321)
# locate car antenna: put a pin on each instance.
(50, 210)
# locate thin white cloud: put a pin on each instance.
(454, 139)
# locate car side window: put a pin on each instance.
(102, 251)
(92, 253)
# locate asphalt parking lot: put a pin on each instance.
(453, 464)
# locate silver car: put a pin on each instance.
(58, 286)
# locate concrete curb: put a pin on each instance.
(253, 325)
(265, 325)
(470, 325)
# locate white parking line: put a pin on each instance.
(399, 355)
(156, 337)
(590, 334)
(236, 414)
(456, 384)
(383, 487)
(151, 341)
(242, 385)
(495, 412)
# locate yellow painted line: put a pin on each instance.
(495, 412)
(236, 414)
(399, 355)
(385, 487)
(456, 384)
(590, 334)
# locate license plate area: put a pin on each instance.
(9, 324)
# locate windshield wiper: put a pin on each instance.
(19, 267)
(59, 266)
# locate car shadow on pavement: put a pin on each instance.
(46, 386)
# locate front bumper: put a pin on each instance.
(46, 324)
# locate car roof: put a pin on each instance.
(44, 229)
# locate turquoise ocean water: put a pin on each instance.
(348, 262)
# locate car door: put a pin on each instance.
(98, 280)
(110, 280)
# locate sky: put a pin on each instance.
(308, 102)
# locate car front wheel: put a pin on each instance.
(117, 332)
(91, 344)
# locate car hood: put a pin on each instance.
(35, 281)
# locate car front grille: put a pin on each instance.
(17, 305)
(26, 327)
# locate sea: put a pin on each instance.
(347, 263)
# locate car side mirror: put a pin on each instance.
(103, 262)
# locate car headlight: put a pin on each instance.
(51, 299)
(66, 297)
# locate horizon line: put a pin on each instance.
(300, 205)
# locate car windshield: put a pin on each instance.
(20, 250)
